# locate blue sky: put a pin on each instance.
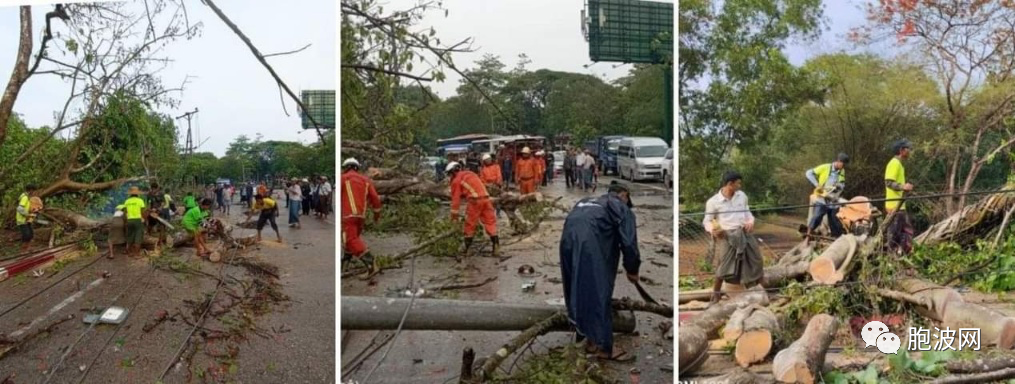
(235, 93)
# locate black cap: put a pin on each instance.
(899, 145)
(730, 176)
(617, 187)
(843, 157)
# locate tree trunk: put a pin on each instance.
(74, 219)
(803, 360)
(995, 328)
(937, 296)
(970, 223)
(737, 376)
(696, 331)
(751, 328)
(986, 377)
(980, 364)
(791, 266)
(20, 73)
(827, 268)
(68, 185)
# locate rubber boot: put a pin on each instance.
(465, 249)
(496, 245)
(371, 263)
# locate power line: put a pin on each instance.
(904, 198)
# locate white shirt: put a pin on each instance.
(579, 160)
(739, 214)
(326, 188)
(295, 193)
(590, 162)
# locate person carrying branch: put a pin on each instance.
(134, 208)
(728, 218)
(828, 180)
(357, 193)
(267, 209)
(479, 208)
(192, 224)
(900, 229)
(596, 232)
(25, 216)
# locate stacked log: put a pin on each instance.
(803, 360)
(698, 330)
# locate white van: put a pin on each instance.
(641, 158)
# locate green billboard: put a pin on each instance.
(629, 31)
(320, 106)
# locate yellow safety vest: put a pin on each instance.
(25, 203)
(134, 205)
(822, 171)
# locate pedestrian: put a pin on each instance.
(729, 220)
(526, 172)
(324, 198)
(479, 208)
(506, 167)
(828, 181)
(361, 193)
(133, 208)
(267, 210)
(569, 168)
(593, 172)
(25, 215)
(295, 195)
(243, 194)
(192, 224)
(596, 232)
(250, 194)
(209, 193)
(900, 228)
(580, 169)
(305, 191)
(220, 196)
(548, 179)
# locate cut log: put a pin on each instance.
(825, 268)
(791, 266)
(979, 365)
(939, 297)
(736, 376)
(995, 328)
(696, 331)
(803, 360)
(985, 377)
(752, 329)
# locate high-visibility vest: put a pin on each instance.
(824, 170)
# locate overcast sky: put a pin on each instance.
(233, 91)
(840, 17)
(549, 32)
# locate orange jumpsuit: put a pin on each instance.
(357, 191)
(542, 169)
(490, 174)
(468, 185)
(526, 174)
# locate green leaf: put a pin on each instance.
(836, 377)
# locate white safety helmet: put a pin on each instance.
(350, 162)
(540, 153)
(452, 166)
(486, 156)
(526, 150)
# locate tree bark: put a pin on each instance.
(803, 360)
(68, 185)
(74, 219)
(737, 376)
(970, 223)
(980, 365)
(986, 377)
(528, 335)
(791, 266)
(938, 297)
(20, 73)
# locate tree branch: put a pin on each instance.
(20, 73)
(387, 71)
(287, 53)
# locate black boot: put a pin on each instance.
(371, 263)
(465, 249)
(496, 245)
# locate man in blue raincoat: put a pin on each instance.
(595, 234)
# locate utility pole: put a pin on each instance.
(189, 148)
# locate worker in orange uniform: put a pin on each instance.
(526, 172)
(357, 192)
(468, 185)
(541, 165)
(490, 173)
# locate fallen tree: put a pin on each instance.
(972, 222)
(829, 267)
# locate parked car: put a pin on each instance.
(558, 162)
(641, 158)
(668, 169)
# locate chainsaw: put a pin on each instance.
(829, 193)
